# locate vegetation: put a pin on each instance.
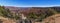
(42, 15)
(32, 15)
(6, 13)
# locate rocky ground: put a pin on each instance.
(6, 20)
(52, 19)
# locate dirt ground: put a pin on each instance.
(52, 19)
(6, 20)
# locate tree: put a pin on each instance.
(5, 12)
(32, 15)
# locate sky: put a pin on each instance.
(30, 3)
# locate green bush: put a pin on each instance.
(42, 15)
(6, 13)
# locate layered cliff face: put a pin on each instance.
(37, 10)
(26, 11)
(30, 9)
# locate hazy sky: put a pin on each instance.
(29, 3)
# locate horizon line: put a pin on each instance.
(34, 6)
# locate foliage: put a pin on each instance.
(32, 15)
(6, 13)
(16, 17)
(42, 15)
